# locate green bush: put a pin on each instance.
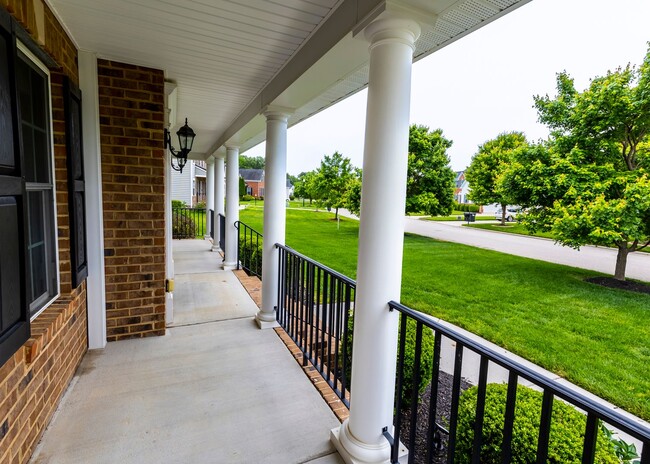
(467, 207)
(250, 255)
(183, 226)
(199, 205)
(426, 358)
(179, 204)
(566, 438)
(247, 198)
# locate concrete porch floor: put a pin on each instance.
(214, 389)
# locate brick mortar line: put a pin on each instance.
(252, 285)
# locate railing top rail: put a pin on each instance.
(237, 223)
(612, 417)
(331, 271)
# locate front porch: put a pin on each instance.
(214, 389)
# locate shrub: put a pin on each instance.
(183, 226)
(426, 359)
(200, 205)
(179, 204)
(250, 255)
(567, 429)
(247, 197)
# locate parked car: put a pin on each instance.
(512, 212)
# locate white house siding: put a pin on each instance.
(182, 184)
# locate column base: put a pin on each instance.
(352, 451)
(215, 248)
(266, 320)
(229, 266)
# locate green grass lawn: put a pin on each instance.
(511, 228)
(596, 337)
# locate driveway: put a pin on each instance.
(589, 257)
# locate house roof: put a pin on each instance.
(252, 175)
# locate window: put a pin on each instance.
(34, 103)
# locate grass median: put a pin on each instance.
(596, 337)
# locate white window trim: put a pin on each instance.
(55, 224)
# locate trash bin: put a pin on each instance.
(470, 217)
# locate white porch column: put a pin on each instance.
(381, 237)
(275, 182)
(209, 193)
(219, 207)
(96, 282)
(232, 206)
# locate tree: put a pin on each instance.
(488, 164)
(353, 193)
(242, 187)
(590, 184)
(251, 162)
(305, 186)
(430, 179)
(332, 180)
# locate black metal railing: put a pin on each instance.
(426, 421)
(222, 232)
(315, 306)
(249, 249)
(188, 222)
(211, 223)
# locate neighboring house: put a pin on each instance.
(254, 179)
(461, 192)
(189, 186)
(289, 189)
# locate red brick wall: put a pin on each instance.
(131, 107)
(34, 379)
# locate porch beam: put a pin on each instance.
(232, 206)
(219, 194)
(275, 182)
(381, 238)
(96, 282)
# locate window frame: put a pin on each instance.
(44, 302)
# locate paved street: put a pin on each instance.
(589, 257)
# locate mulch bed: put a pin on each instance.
(443, 411)
(629, 285)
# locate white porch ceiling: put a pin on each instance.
(231, 58)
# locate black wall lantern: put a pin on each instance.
(185, 140)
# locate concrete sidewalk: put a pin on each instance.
(207, 392)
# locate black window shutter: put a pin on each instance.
(14, 310)
(76, 183)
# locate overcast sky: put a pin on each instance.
(484, 83)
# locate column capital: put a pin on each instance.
(232, 147)
(279, 113)
(393, 27)
(209, 160)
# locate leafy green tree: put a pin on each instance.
(251, 162)
(332, 180)
(430, 181)
(590, 184)
(242, 187)
(353, 194)
(305, 186)
(488, 164)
